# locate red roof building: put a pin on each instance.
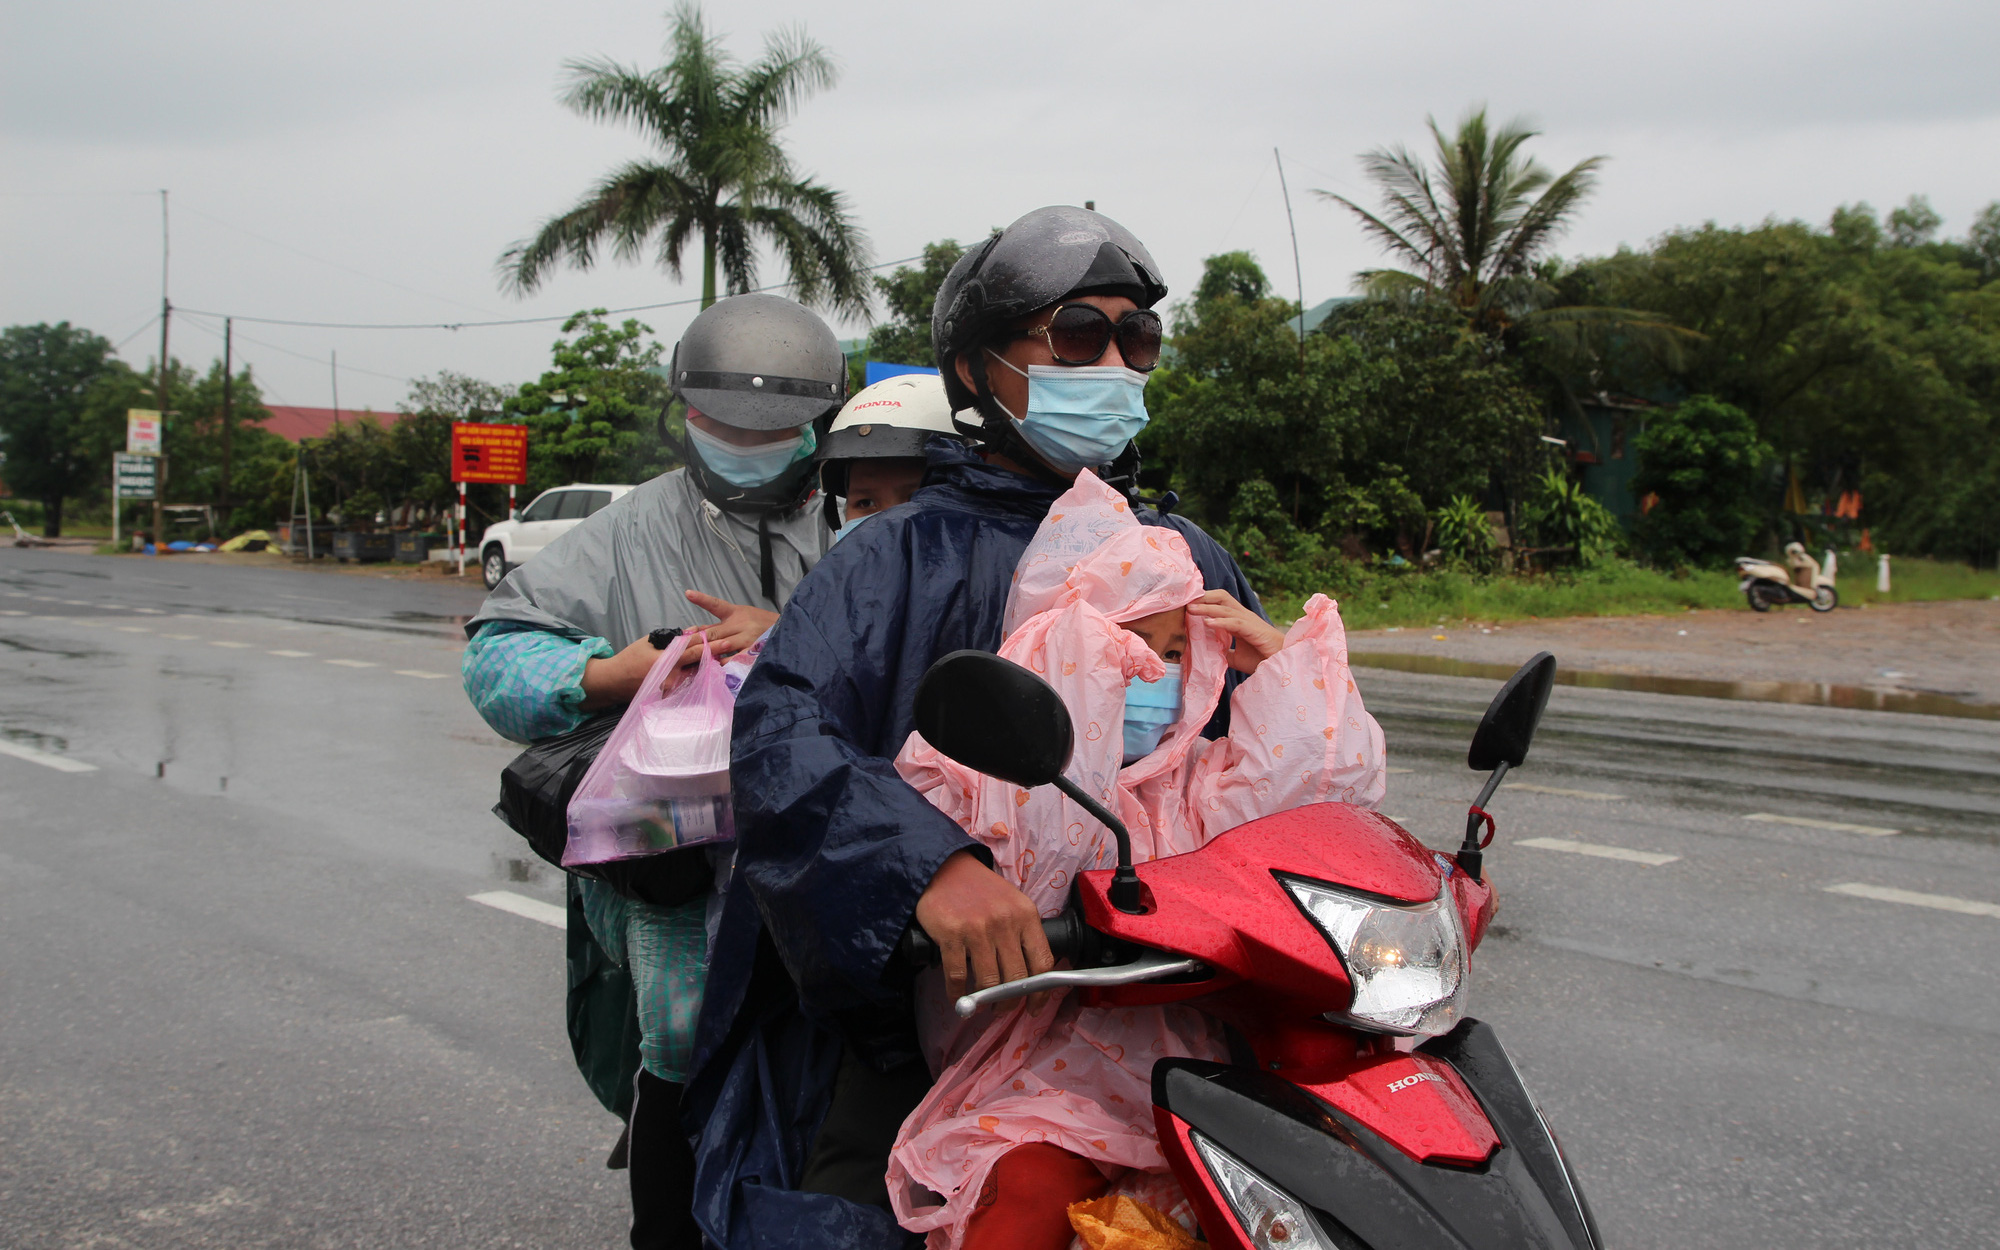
(293, 424)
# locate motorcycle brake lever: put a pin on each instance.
(1152, 966)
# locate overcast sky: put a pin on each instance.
(368, 161)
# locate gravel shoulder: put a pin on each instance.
(1949, 647)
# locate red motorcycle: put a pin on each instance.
(1362, 1110)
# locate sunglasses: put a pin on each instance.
(1079, 334)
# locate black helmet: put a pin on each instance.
(1046, 255)
(759, 362)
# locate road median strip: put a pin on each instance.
(1911, 898)
(1650, 859)
(521, 905)
(1808, 822)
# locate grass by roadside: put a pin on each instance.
(1379, 599)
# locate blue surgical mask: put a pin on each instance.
(1151, 708)
(751, 466)
(848, 528)
(1080, 417)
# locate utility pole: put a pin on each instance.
(166, 312)
(1297, 270)
(228, 413)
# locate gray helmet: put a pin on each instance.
(759, 362)
(1047, 254)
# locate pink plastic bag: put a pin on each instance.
(662, 779)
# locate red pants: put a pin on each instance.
(1024, 1204)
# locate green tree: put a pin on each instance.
(1393, 410)
(1983, 241)
(1469, 232)
(47, 374)
(721, 172)
(1704, 465)
(1914, 224)
(905, 339)
(589, 415)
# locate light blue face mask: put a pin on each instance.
(751, 466)
(848, 528)
(1151, 708)
(1080, 417)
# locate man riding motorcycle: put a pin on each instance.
(806, 1058)
(717, 546)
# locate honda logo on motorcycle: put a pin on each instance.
(1408, 1081)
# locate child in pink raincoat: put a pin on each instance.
(1105, 609)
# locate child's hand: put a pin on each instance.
(1255, 639)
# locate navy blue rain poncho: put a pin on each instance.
(834, 848)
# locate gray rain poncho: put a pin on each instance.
(617, 576)
(621, 573)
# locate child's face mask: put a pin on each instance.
(1151, 707)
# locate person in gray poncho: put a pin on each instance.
(716, 546)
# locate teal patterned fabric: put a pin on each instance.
(528, 683)
(666, 950)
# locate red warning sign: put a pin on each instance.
(489, 453)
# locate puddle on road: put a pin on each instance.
(1809, 693)
(41, 742)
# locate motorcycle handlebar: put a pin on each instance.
(1066, 933)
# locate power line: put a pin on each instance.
(136, 333)
(510, 321)
(318, 360)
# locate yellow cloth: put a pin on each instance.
(241, 540)
(1118, 1222)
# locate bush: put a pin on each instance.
(1463, 533)
(1703, 462)
(1557, 513)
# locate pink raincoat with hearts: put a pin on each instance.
(1080, 1077)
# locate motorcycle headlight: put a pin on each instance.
(1274, 1219)
(1407, 963)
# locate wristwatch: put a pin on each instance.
(663, 638)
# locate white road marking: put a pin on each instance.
(133, 629)
(61, 763)
(1942, 902)
(417, 672)
(1649, 858)
(150, 611)
(215, 642)
(354, 663)
(1568, 794)
(1399, 770)
(11, 612)
(77, 603)
(291, 655)
(1873, 831)
(521, 905)
(179, 637)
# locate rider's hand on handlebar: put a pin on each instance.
(1255, 639)
(987, 931)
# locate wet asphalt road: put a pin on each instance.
(245, 999)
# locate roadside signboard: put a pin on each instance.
(134, 474)
(142, 432)
(489, 453)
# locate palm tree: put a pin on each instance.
(1476, 232)
(721, 172)
(1471, 232)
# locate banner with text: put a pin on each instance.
(142, 432)
(489, 453)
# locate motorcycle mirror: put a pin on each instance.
(995, 717)
(1508, 727)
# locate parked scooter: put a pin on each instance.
(1363, 1110)
(1801, 579)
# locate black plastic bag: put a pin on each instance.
(535, 790)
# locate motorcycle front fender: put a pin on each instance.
(1359, 1188)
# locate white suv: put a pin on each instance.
(509, 544)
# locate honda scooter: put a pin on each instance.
(1801, 579)
(1362, 1110)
